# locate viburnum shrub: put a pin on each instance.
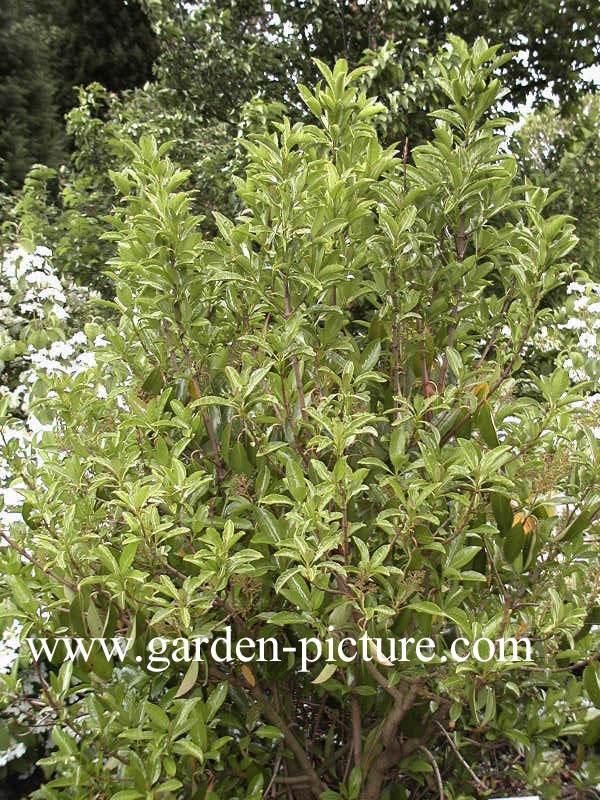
(319, 424)
(42, 333)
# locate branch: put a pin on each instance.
(436, 770)
(316, 784)
(479, 783)
(356, 730)
(197, 392)
(295, 365)
(392, 747)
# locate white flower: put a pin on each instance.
(38, 427)
(43, 279)
(573, 324)
(11, 753)
(575, 287)
(59, 312)
(87, 360)
(31, 308)
(581, 303)
(588, 341)
(41, 361)
(61, 350)
(12, 497)
(52, 294)
(9, 318)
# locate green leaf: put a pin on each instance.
(426, 607)
(513, 543)
(397, 447)
(464, 556)
(355, 783)
(157, 715)
(66, 744)
(591, 681)
(153, 384)
(576, 527)
(502, 512)
(591, 733)
(95, 624)
(215, 700)
(295, 480)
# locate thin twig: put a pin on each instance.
(480, 784)
(436, 770)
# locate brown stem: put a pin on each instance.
(490, 342)
(436, 770)
(396, 359)
(461, 239)
(196, 392)
(356, 730)
(317, 787)
(478, 782)
(392, 747)
(295, 364)
(427, 387)
(346, 542)
(450, 342)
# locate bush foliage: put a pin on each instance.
(320, 418)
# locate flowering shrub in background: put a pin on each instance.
(37, 314)
(570, 339)
(570, 335)
(39, 344)
(578, 326)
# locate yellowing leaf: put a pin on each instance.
(482, 389)
(248, 675)
(189, 679)
(326, 673)
(528, 522)
(377, 656)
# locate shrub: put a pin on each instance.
(318, 424)
(39, 316)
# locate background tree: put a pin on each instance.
(47, 50)
(563, 153)
(108, 42)
(31, 128)
(557, 41)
